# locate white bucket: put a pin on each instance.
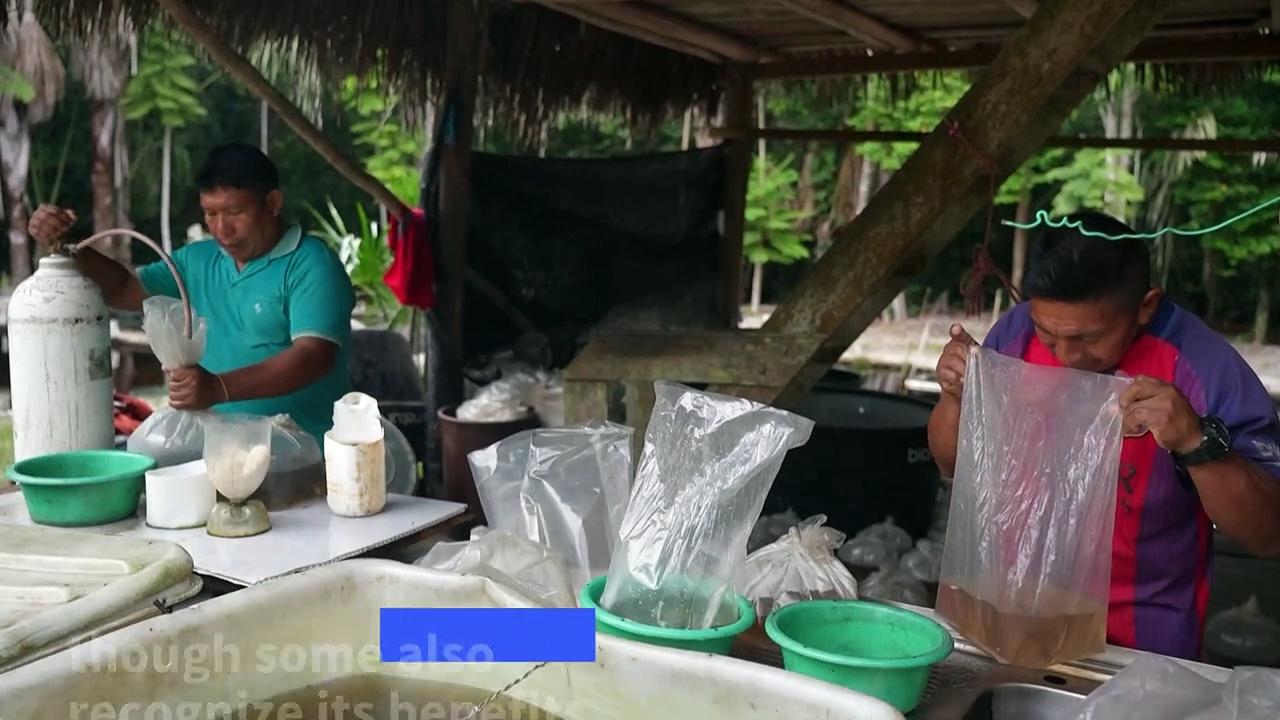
(179, 496)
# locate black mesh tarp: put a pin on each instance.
(568, 240)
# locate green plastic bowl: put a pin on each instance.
(83, 487)
(875, 649)
(715, 640)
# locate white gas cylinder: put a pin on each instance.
(59, 362)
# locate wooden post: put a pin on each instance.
(735, 111)
(1043, 72)
(462, 71)
(586, 400)
(639, 398)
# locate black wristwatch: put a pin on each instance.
(1215, 445)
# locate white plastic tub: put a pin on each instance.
(59, 587)
(322, 624)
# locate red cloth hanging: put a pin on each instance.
(412, 275)
(129, 412)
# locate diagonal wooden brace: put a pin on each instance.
(1041, 75)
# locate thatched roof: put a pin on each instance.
(648, 56)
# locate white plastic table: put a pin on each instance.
(301, 537)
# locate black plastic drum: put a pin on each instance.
(868, 458)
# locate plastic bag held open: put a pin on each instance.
(1027, 563)
(171, 436)
(565, 488)
(802, 565)
(707, 465)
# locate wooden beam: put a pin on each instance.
(465, 22)
(585, 401)
(1156, 50)
(1045, 71)
(840, 16)
(741, 357)
(664, 23)
(584, 13)
(735, 111)
(1025, 8)
(241, 69)
(856, 137)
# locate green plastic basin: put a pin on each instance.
(717, 640)
(83, 487)
(875, 649)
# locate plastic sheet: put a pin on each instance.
(565, 488)
(1027, 565)
(1157, 688)
(172, 437)
(527, 567)
(708, 463)
(802, 565)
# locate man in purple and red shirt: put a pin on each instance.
(1202, 438)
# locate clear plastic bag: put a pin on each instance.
(527, 567)
(707, 466)
(566, 488)
(1026, 568)
(771, 527)
(296, 474)
(1243, 636)
(510, 398)
(876, 545)
(802, 565)
(1158, 688)
(924, 563)
(171, 437)
(893, 584)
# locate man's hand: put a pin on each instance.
(50, 224)
(954, 361)
(194, 388)
(1151, 405)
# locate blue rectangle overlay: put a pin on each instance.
(433, 635)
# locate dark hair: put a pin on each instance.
(239, 166)
(1068, 265)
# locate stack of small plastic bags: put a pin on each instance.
(554, 498)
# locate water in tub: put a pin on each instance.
(382, 697)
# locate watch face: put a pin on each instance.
(1215, 432)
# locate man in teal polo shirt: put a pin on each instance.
(277, 302)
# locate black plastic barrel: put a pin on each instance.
(868, 458)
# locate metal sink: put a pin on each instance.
(972, 686)
(1024, 702)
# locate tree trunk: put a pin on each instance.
(1262, 316)
(264, 124)
(806, 197)
(757, 286)
(687, 130)
(1022, 216)
(166, 182)
(867, 185)
(1209, 279)
(15, 156)
(102, 174)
